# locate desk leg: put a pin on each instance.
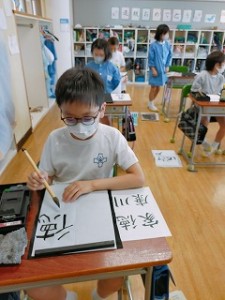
(126, 122)
(194, 144)
(148, 283)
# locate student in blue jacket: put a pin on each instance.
(103, 66)
(159, 59)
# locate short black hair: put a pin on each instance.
(113, 41)
(101, 44)
(214, 58)
(80, 85)
(161, 29)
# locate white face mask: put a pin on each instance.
(98, 59)
(82, 131)
(166, 37)
(221, 70)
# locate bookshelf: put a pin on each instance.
(190, 47)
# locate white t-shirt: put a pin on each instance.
(118, 59)
(68, 159)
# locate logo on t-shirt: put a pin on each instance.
(100, 160)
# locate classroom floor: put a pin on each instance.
(193, 204)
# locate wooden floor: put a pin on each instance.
(193, 204)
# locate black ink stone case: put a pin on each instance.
(14, 205)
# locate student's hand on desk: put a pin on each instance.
(35, 181)
(76, 189)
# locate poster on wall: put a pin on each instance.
(156, 14)
(135, 14)
(176, 15)
(187, 13)
(167, 15)
(3, 24)
(222, 16)
(125, 13)
(145, 14)
(115, 13)
(210, 18)
(197, 15)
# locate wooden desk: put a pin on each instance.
(176, 82)
(208, 109)
(137, 257)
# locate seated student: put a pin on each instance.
(103, 66)
(211, 81)
(118, 60)
(69, 156)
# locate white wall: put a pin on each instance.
(22, 115)
(56, 10)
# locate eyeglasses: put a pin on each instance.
(87, 120)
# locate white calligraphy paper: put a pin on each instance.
(87, 220)
(197, 16)
(187, 13)
(145, 14)
(125, 13)
(138, 215)
(167, 15)
(156, 14)
(176, 15)
(115, 13)
(135, 14)
(166, 159)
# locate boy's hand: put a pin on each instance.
(35, 181)
(167, 69)
(76, 189)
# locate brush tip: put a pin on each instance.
(56, 200)
(23, 149)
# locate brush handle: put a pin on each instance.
(39, 173)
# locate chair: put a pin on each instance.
(184, 94)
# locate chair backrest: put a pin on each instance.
(180, 69)
(186, 90)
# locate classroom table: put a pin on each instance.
(175, 81)
(136, 257)
(208, 109)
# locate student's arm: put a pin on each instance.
(116, 77)
(133, 178)
(169, 57)
(197, 84)
(151, 60)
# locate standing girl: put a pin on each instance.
(159, 59)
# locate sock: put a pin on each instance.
(71, 295)
(215, 145)
(95, 296)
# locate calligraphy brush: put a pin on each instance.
(48, 188)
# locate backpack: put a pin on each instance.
(128, 129)
(188, 123)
